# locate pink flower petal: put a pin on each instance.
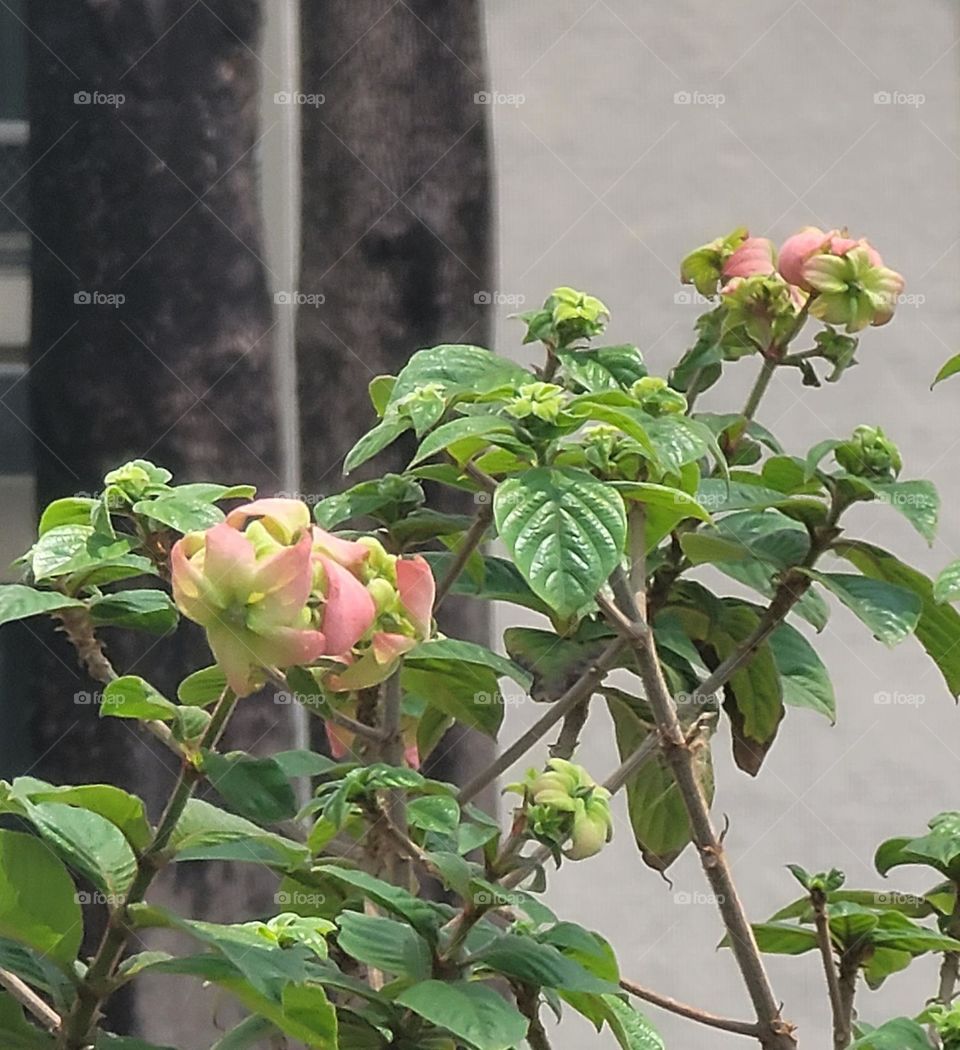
(347, 553)
(349, 611)
(188, 584)
(287, 647)
(417, 590)
(283, 518)
(285, 579)
(229, 561)
(755, 256)
(797, 249)
(387, 647)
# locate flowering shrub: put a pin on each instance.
(411, 918)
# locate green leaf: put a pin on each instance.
(468, 653)
(565, 530)
(948, 369)
(901, 1033)
(121, 808)
(783, 938)
(88, 843)
(940, 848)
(374, 441)
(676, 500)
(603, 367)
(73, 510)
(106, 1041)
(146, 610)
(630, 1028)
(180, 512)
(554, 662)
(18, 601)
(658, 816)
(946, 587)
(249, 1033)
(804, 677)
(917, 501)
(38, 900)
(455, 367)
(301, 763)
(437, 813)
(501, 582)
(133, 697)
(541, 965)
(205, 832)
(386, 499)
(680, 440)
(385, 944)
(202, 687)
(939, 625)
(16, 1033)
(424, 916)
(87, 556)
(257, 788)
(467, 692)
(459, 430)
(470, 1010)
(889, 610)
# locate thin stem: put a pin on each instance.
(30, 1001)
(95, 987)
(692, 1013)
(471, 542)
(773, 1032)
(759, 387)
(569, 737)
(528, 1003)
(949, 975)
(581, 690)
(821, 920)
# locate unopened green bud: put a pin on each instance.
(869, 454)
(657, 397)
(543, 401)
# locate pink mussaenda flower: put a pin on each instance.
(852, 289)
(756, 255)
(254, 607)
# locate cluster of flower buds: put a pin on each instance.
(566, 317)
(843, 279)
(869, 453)
(274, 592)
(564, 804)
(657, 397)
(544, 401)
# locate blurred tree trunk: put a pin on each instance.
(396, 224)
(144, 117)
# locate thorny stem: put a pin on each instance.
(95, 987)
(821, 920)
(692, 1013)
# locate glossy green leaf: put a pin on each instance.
(16, 1032)
(554, 662)
(946, 587)
(804, 678)
(202, 687)
(565, 530)
(630, 1028)
(205, 832)
(374, 441)
(39, 906)
(938, 626)
(385, 944)
(144, 610)
(133, 697)
(121, 808)
(603, 367)
(468, 653)
(901, 1033)
(501, 581)
(889, 610)
(17, 602)
(470, 693)
(472, 1011)
(917, 501)
(256, 788)
(437, 813)
(475, 428)
(454, 367)
(948, 369)
(541, 965)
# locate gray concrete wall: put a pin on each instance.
(604, 183)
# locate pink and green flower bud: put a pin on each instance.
(756, 255)
(763, 308)
(852, 290)
(544, 401)
(870, 454)
(703, 267)
(576, 315)
(657, 397)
